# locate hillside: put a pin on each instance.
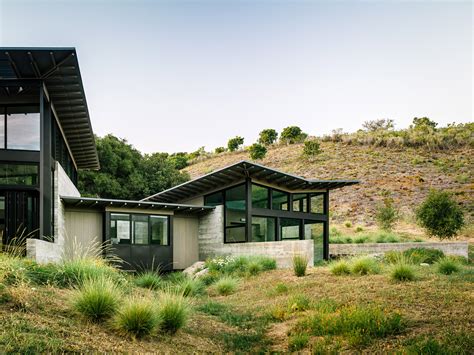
(408, 173)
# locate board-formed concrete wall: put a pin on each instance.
(211, 243)
(449, 248)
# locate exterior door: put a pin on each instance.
(20, 214)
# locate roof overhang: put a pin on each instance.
(100, 203)
(238, 172)
(58, 70)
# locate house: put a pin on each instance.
(241, 209)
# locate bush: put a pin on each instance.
(447, 266)
(267, 136)
(383, 124)
(300, 263)
(173, 312)
(234, 143)
(311, 148)
(257, 151)
(297, 342)
(281, 288)
(299, 303)
(97, 299)
(219, 150)
(189, 287)
(137, 317)
(209, 278)
(254, 268)
(423, 255)
(266, 263)
(359, 229)
(292, 134)
(226, 285)
(149, 280)
(386, 215)
(240, 265)
(348, 224)
(364, 266)
(402, 272)
(440, 215)
(340, 267)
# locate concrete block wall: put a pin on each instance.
(211, 243)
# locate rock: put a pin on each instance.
(424, 264)
(191, 270)
(201, 273)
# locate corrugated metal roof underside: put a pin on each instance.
(99, 203)
(239, 171)
(58, 68)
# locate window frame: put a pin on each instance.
(28, 107)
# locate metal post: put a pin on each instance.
(326, 227)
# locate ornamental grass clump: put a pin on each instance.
(97, 299)
(74, 272)
(226, 285)
(150, 280)
(300, 263)
(340, 267)
(402, 272)
(173, 311)
(447, 266)
(138, 317)
(365, 266)
(189, 287)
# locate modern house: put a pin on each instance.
(242, 209)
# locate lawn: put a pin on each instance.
(261, 310)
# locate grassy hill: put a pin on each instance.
(406, 172)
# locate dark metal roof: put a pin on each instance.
(58, 69)
(90, 202)
(240, 171)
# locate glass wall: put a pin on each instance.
(279, 200)
(317, 203)
(263, 229)
(235, 210)
(61, 154)
(289, 228)
(260, 196)
(18, 174)
(20, 128)
(214, 199)
(138, 229)
(300, 202)
(315, 231)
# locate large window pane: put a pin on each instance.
(235, 235)
(140, 229)
(263, 229)
(120, 228)
(315, 231)
(260, 196)
(159, 230)
(289, 228)
(300, 203)
(23, 131)
(317, 203)
(215, 199)
(2, 128)
(279, 200)
(19, 174)
(235, 209)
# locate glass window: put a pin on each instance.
(23, 131)
(235, 234)
(300, 202)
(289, 228)
(120, 228)
(260, 196)
(235, 208)
(317, 203)
(19, 174)
(263, 229)
(315, 231)
(215, 199)
(159, 230)
(2, 128)
(279, 200)
(140, 229)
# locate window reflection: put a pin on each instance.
(23, 131)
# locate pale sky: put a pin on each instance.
(176, 75)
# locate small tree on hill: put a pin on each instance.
(179, 160)
(268, 136)
(219, 150)
(423, 123)
(440, 215)
(292, 134)
(234, 143)
(311, 148)
(383, 124)
(386, 214)
(257, 151)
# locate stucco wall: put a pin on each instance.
(211, 243)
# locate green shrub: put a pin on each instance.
(340, 267)
(209, 278)
(386, 215)
(226, 285)
(423, 255)
(254, 268)
(365, 266)
(97, 299)
(281, 288)
(361, 239)
(334, 232)
(74, 272)
(311, 148)
(297, 342)
(219, 150)
(447, 266)
(292, 134)
(240, 265)
(347, 224)
(149, 280)
(299, 302)
(234, 143)
(257, 151)
(173, 312)
(300, 263)
(359, 229)
(440, 215)
(402, 272)
(137, 317)
(267, 136)
(266, 263)
(40, 274)
(189, 287)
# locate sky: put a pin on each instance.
(176, 75)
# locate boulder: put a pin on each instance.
(201, 273)
(191, 270)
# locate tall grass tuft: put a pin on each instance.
(74, 272)
(340, 267)
(447, 266)
(149, 279)
(226, 285)
(189, 287)
(137, 317)
(300, 263)
(173, 311)
(97, 298)
(365, 266)
(402, 272)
